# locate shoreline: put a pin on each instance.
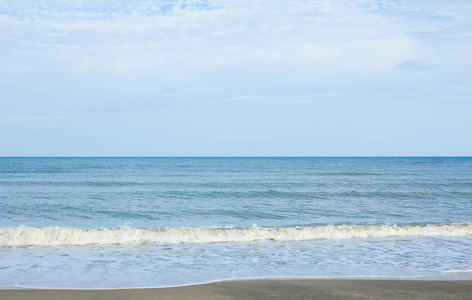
(268, 288)
(439, 277)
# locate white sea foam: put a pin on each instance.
(50, 236)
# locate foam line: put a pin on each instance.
(50, 236)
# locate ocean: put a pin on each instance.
(90, 223)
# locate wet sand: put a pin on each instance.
(270, 289)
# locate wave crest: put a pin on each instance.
(54, 236)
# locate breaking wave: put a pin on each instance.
(52, 236)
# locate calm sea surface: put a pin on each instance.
(148, 222)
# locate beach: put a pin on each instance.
(90, 224)
(202, 149)
(270, 289)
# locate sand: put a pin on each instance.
(270, 289)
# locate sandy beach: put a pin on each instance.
(270, 289)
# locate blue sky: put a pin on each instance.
(235, 78)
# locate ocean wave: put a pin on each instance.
(55, 236)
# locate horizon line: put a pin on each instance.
(245, 156)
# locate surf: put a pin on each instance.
(68, 236)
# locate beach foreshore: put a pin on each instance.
(269, 289)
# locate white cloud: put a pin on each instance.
(36, 118)
(222, 49)
(139, 37)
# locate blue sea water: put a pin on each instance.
(149, 222)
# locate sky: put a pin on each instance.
(235, 78)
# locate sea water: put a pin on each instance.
(151, 222)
